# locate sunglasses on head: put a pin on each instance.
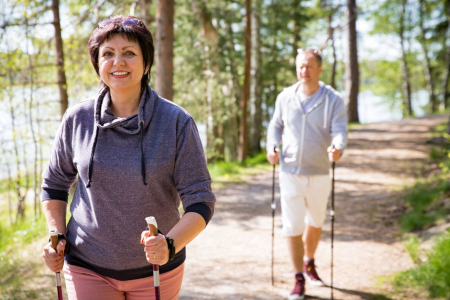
(313, 50)
(125, 22)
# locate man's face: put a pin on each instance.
(308, 69)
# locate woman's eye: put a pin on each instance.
(107, 54)
(129, 53)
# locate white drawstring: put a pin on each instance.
(326, 112)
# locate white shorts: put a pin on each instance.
(303, 200)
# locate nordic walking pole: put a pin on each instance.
(54, 240)
(153, 229)
(333, 164)
(274, 206)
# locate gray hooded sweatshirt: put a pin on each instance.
(306, 135)
(127, 169)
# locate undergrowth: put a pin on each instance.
(428, 204)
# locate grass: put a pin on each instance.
(432, 276)
(19, 261)
(223, 172)
(427, 204)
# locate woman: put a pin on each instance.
(135, 155)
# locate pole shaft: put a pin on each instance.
(273, 218)
(333, 164)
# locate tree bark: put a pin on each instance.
(255, 80)
(333, 48)
(164, 48)
(428, 68)
(243, 137)
(36, 175)
(352, 68)
(445, 80)
(61, 74)
(214, 129)
(20, 213)
(406, 85)
(232, 102)
(296, 37)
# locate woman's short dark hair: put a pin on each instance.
(135, 31)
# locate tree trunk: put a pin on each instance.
(36, 175)
(352, 68)
(164, 48)
(333, 48)
(20, 213)
(243, 137)
(428, 69)
(232, 103)
(406, 86)
(255, 81)
(214, 132)
(296, 38)
(61, 74)
(445, 81)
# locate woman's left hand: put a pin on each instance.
(156, 249)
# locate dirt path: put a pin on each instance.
(231, 258)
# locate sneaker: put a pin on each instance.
(298, 292)
(311, 274)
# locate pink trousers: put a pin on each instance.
(84, 284)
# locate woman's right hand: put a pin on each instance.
(54, 260)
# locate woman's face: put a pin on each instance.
(121, 65)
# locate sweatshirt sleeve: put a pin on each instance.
(191, 175)
(339, 124)
(60, 173)
(276, 125)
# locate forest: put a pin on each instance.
(223, 61)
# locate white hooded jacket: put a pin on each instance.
(306, 135)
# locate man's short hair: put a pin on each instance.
(316, 52)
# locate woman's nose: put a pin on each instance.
(118, 60)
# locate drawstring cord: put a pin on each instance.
(142, 152)
(325, 119)
(91, 161)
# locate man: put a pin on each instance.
(310, 120)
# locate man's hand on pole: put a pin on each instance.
(272, 156)
(334, 154)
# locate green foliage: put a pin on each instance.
(16, 248)
(426, 199)
(424, 203)
(412, 245)
(19, 233)
(433, 276)
(382, 78)
(231, 171)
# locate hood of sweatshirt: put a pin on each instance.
(105, 119)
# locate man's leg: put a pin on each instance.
(293, 214)
(295, 245)
(316, 201)
(311, 240)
